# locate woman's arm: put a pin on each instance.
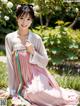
(11, 74)
(39, 56)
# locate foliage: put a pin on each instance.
(50, 10)
(62, 44)
(3, 75)
(6, 17)
(2, 52)
(18, 2)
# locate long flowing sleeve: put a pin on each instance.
(40, 55)
(11, 74)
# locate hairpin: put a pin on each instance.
(18, 6)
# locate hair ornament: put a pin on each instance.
(18, 6)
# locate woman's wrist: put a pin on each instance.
(33, 51)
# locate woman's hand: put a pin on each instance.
(29, 47)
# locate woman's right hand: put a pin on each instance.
(29, 47)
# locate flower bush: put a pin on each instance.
(62, 44)
(7, 17)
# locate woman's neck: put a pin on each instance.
(23, 32)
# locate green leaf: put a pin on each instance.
(57, 60)
(71, 56)
(56, 50)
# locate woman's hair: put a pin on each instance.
(23, 9)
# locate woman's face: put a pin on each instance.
(24, 22)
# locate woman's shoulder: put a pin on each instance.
(35, 36)
(11, 35)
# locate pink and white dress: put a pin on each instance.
(39, 87)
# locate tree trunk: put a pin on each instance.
(47, 21)
(75, 20)
(73, 23)
(41, 20)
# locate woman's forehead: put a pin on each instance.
(25, 15)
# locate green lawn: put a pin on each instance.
(71, 81)
(4, 79)
(3, 75)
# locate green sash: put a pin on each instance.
(21, 81)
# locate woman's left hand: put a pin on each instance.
(29, 47)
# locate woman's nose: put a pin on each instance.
(24, 20)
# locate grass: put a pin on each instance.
(66, 81)
(71, 81)
(2, 52)
(3, 75)
(4, 79)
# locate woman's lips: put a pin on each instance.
(24, 25)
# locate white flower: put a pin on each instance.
(54, 52)
(58, 42)
(57, 27)
(59, 36)
(73, 46)
(36, 8)
(51, 42)
(4, 1)
(36, 13)
(57, 8)
(6, 18)
(67, 10)
(46, 1)
(53, 63)
(33, 4)
(65, 29)
(9, 4)
(74, 41)
(76, 10)
(64, 33)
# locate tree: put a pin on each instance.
(47, 9)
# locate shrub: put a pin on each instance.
(7, 19)
(62, 44)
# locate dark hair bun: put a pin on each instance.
(22, 9)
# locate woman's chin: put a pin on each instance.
(24, 27)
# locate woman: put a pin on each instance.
(27, 60)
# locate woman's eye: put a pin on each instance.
(28, 19)
(21, 18)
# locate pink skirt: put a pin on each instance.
(38, 86)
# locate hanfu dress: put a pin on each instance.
(37, 85)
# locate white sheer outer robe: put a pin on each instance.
(12, 43)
